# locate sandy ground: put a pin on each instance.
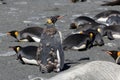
(16, 14)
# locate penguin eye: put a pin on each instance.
(91, 35)
(18, 49)
(49, 21)
(16, 33)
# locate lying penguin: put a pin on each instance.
(103, 16)
(113, 31)
(26, 55)
(50, 54)
(112, 3)
(83, 41)
(81, 20)
(113, 20)
(32, 34)
(74, 1)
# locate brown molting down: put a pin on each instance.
(50, 31)
(112, 3)
(51, 66)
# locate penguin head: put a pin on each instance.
(16, 48)
(95, 37)
(114, 54)
(73, 25)
(14, 34)
(53, 19)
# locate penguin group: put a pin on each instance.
(86, 33)
(49, 54)
(106, 23)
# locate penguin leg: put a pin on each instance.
(109, 35)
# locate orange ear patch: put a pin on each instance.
(118, 53)
(16, 33)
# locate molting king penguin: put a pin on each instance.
(30, 34)
(26, 55)
(81, 20)
(50, 54)
(112, 3)
(115, 54)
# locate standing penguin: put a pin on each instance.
(26, 55)
(50, 52)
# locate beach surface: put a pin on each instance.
(19, 14)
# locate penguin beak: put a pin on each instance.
(60, 17)
(8, 33)
(108, 52)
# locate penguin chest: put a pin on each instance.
(102, 19)
(29, 61)
(50, 54)
(116, 35)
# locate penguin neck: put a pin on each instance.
(50, 25)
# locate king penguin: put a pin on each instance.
(112, 31)
(112, 3)
(74, 1)
(26, 55)
(50, 52)
(104, 15)
(113, 20)
(31, 34)
(81, 20)
(83, 40)
(115, 54)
